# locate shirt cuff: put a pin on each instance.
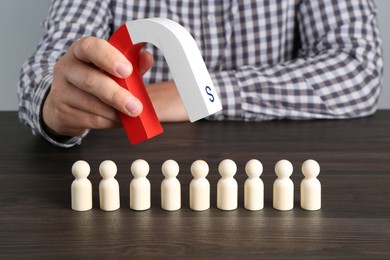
(39, 98)
(229, 91)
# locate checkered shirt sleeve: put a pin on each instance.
(293, 59)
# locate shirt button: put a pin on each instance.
(211, 18)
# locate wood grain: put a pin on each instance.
(36, 220)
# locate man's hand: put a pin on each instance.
(82, 96)
(167, 102)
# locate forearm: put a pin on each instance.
(30, 112)
(299, 90)
(61, 28)
(336, 74)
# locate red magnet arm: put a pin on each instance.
(146, 125)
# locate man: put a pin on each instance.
(292, 59)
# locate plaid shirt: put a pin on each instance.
(295, 59)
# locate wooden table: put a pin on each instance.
(36, 220)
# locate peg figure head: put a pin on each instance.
(199, 169)
(310, 168)
(81, 169)
(140, 168)
(283, 169)
(107, 169)
(254, 168)
(227, 168)
(170, 169)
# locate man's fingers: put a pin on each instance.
(103, 55)
(63, 119)
(91, 79)
(84, 121)
(145, 61)
(83, 96)
(84, 101)
(97, 83)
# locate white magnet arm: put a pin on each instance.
(185, 63)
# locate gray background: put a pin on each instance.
(20, 31)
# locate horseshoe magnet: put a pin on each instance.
(185, 64)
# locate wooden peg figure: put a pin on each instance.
(108, 187)
(199, 186)
(283, 190)
(140, 186)
(81, 188)
(310, 186)
(227, 187)
(254, 186)
(170, 186)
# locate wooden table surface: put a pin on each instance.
(36, 220)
